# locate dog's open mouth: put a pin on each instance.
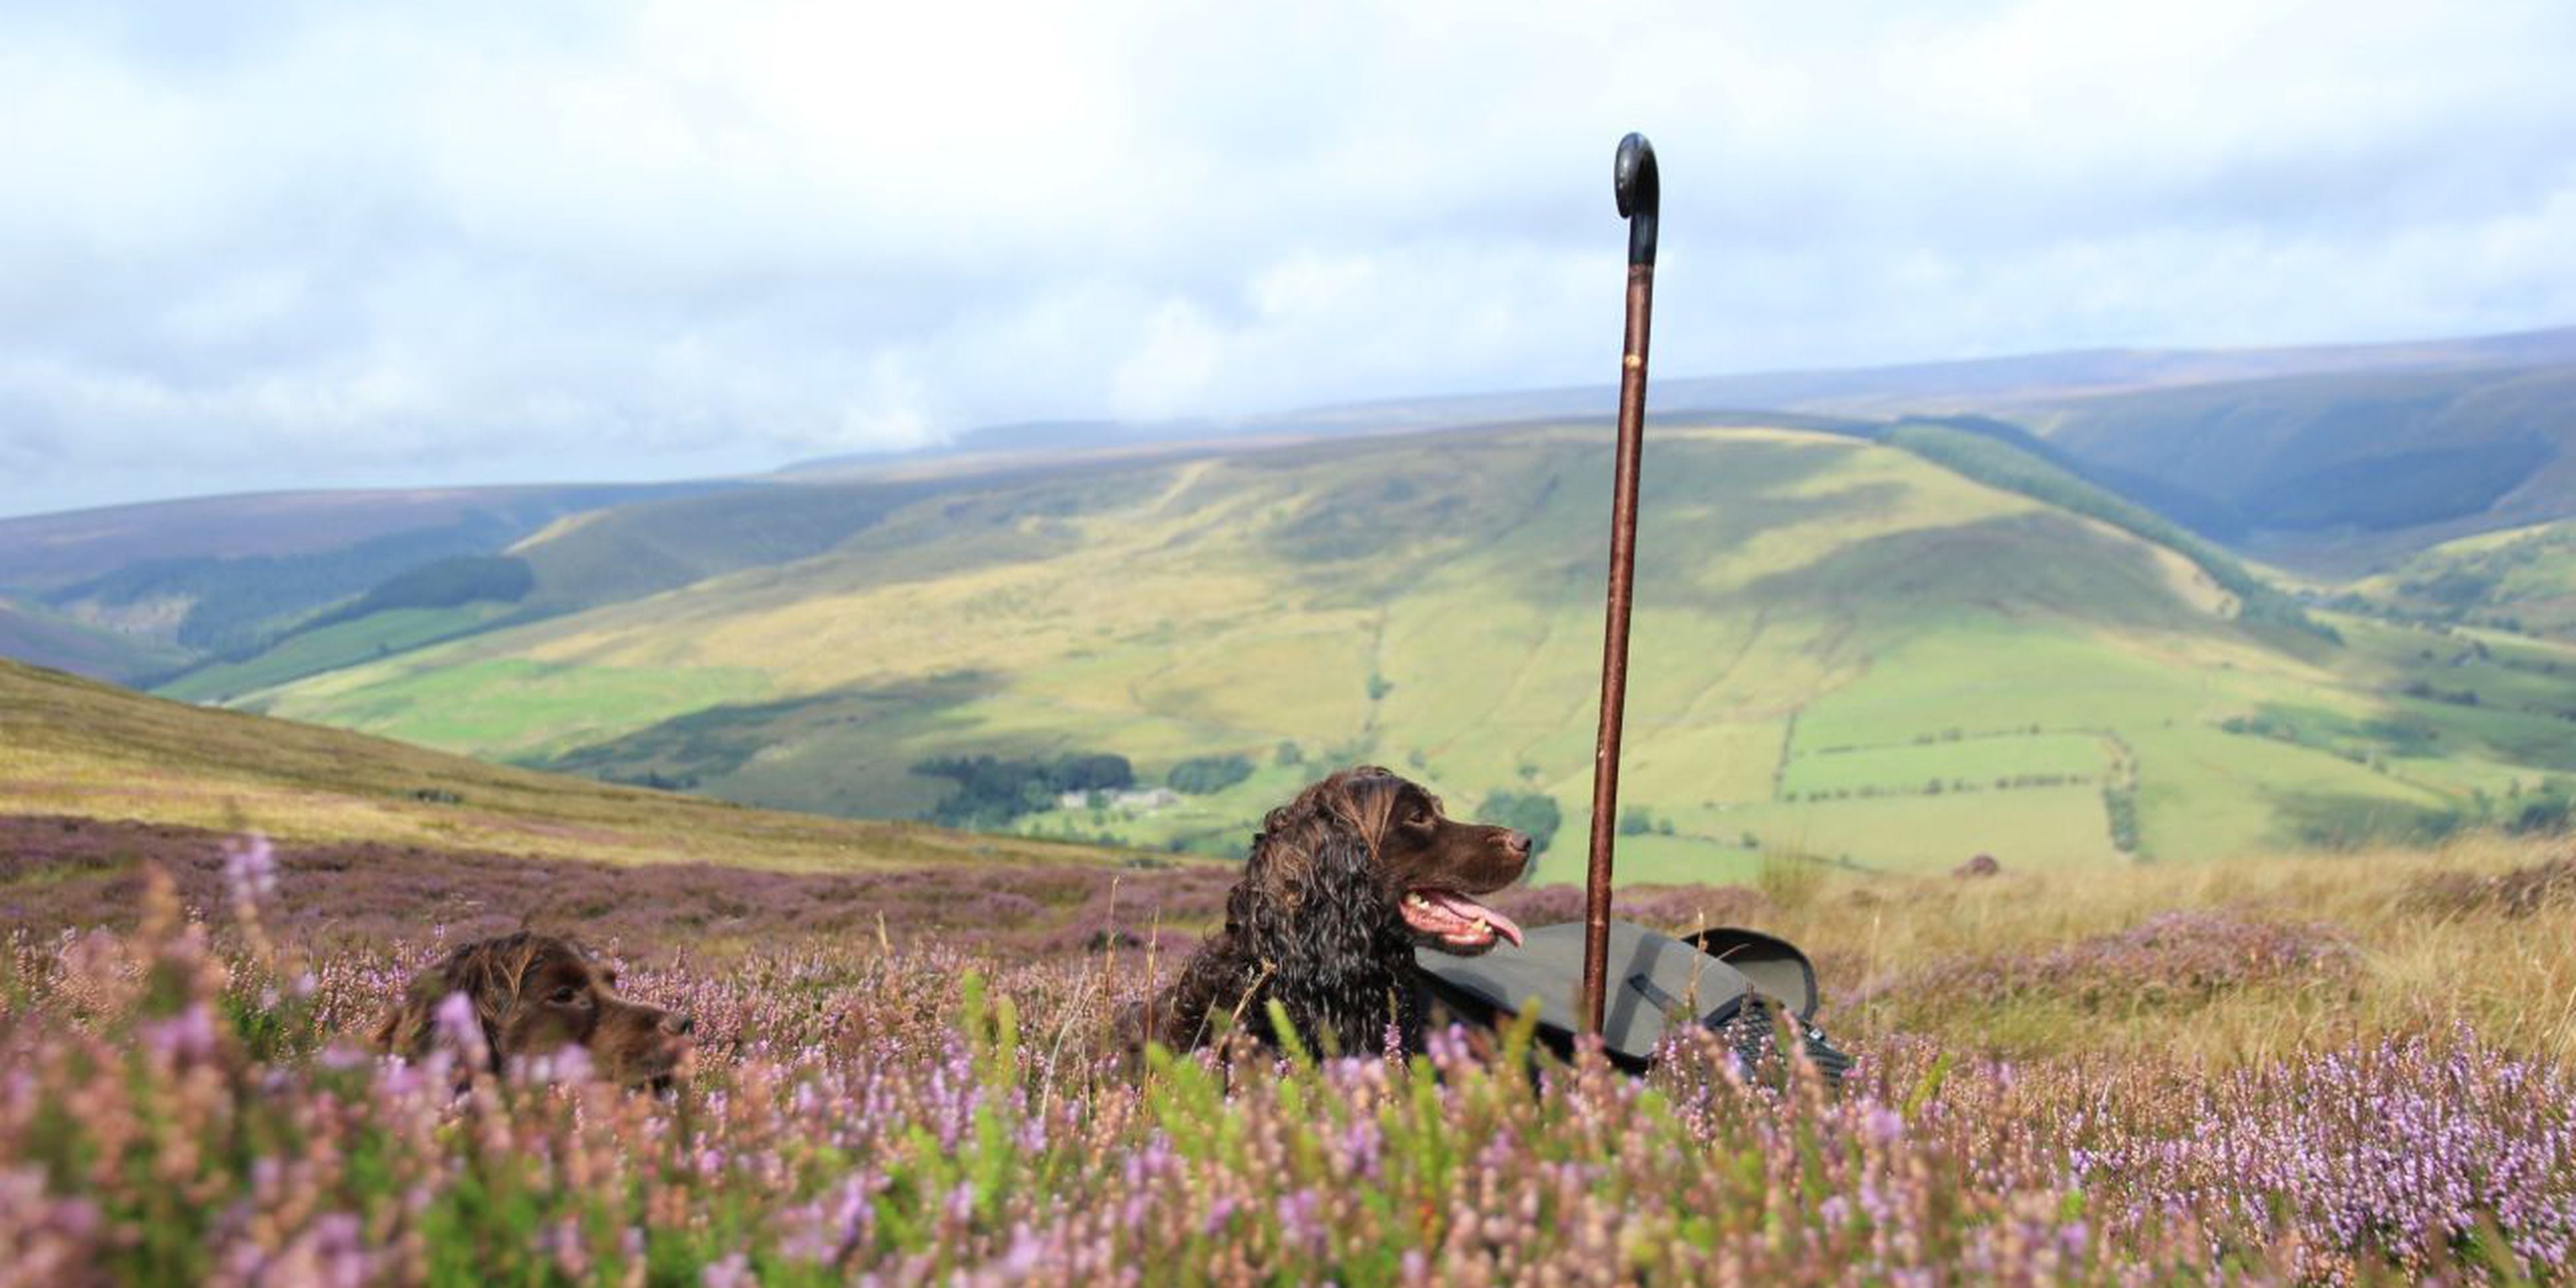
(1455, 921)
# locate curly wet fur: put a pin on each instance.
(1314, 923)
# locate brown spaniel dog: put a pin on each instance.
(1341, 885)
(533, 994)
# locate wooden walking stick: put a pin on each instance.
(1639, 191)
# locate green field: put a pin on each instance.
(1842, 649)
(331, 648)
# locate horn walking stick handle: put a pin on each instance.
(1638, 186)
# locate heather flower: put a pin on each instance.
(459, 1031)
(250, 867)
(188, 1036)
(846, 1123)
(734, 1271)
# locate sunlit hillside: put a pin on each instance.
(75, 747)
(1844, 652)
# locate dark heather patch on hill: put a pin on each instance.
(43, 553)
(61, 874)
(2401, 490)
(2178, 959)
(236, 606)
(898, 530)
(686, 751)
(448, 583)
(2518, 893)
(636, 550)
(2366, 451)
(35, 636)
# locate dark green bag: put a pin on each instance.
(1742, 983)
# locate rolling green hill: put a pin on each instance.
(1843, 650)
(75, 747)
(31, 633)
(161, 587)
(2336, 473)
(2340, 461)
(2519, 579)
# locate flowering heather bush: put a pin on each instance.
(181, 1107)
(2173, 958)
(68, 872)
(2519, 893)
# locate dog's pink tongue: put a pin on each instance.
(1467, 910)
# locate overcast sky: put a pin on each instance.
(331, 243)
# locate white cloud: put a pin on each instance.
(336, 244)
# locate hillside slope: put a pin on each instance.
(162, 586)
(70, 746)
(1842, 651)
(2336, 473)
(31, 633)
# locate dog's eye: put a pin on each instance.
(1420, 818)
(565, 996)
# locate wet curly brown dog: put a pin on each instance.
(1342, 884)
(535, 994)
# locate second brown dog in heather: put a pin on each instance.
(534, 994)
(1341, 885)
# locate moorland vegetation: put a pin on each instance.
(2347, 1069)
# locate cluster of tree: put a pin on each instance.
(1206, 775)
(1937, 786)
(2541, 813)
(2406, 614)
(2120, 806)
(657, 780)
(1532, 812)
(1637, 820)
(991, 790)
(2424, 689)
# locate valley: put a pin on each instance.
(2001, 607)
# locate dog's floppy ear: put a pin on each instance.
(1331, 935)
(472, 969)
